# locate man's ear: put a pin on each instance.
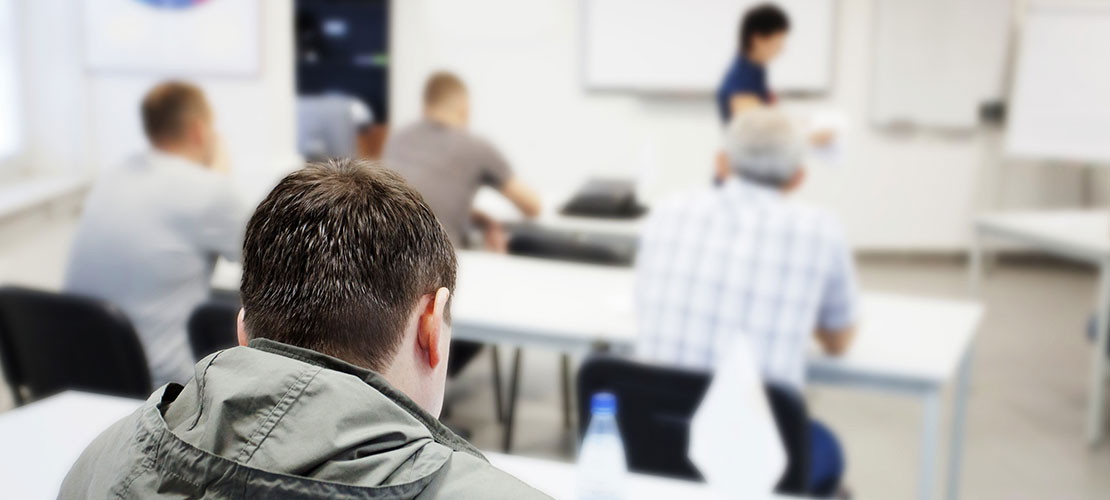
(430, 326)
(796, 181)
(241, 329)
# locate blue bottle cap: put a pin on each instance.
(603, 403)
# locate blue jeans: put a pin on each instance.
(826, 464)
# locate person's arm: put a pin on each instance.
(836, 318)
(836, 342)
(223, 222)
(522, 196)
(743, 101)
(493, 235)
(497, 173)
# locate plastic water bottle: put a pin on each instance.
(601, 464)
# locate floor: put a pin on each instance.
(1027, 399)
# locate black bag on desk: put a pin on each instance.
(608, 198)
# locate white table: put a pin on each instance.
(39, 442)
(42, 440)
(1081, 235)
(908, 345)
(559, 480)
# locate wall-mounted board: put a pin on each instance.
(685, 46)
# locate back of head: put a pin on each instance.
(763, 146)
(441, 89)
(167, 108)
(761, 20)
(336, 259)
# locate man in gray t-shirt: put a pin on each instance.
(447, 164)
(152, 228)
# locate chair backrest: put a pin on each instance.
(212, 327)
(656, 405)
(51, 342)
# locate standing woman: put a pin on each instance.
(763, 31)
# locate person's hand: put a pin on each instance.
(221, 163)
(720, 169)
(822, 138)
(495, 239)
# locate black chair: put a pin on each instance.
(212, 327)
(656, 404)
(51, 342)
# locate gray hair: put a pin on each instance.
(763, 146)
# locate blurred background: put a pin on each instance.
(946, 113)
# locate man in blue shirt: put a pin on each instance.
(763, 33)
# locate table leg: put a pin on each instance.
(510, 409)
(565, 377)
(1098, 358)
(959, 418)
(975, 264)
(930, 428)
(499, 407)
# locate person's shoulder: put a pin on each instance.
(466, 476)
(823, 220)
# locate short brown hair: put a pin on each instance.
(167, 106)
(337, 256)
(441, 86)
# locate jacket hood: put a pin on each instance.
(293, 412)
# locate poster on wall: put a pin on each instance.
(186, 37)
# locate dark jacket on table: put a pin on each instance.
(276, 421)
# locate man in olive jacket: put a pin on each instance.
(340, 373)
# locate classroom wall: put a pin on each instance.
(895, 189)
(84, 122)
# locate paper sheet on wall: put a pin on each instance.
(733, 438)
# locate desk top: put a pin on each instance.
(42, 440)
(569, 306)
(573, 307)
(1078, 233)
(558, 479)
(550, 218)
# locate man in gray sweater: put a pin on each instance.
(336, 386)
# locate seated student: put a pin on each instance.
(337, 385)
(743, 259)
(447, 164)
(152, 228)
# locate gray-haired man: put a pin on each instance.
(743, 260)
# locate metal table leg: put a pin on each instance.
(975, 264)
(510, 408)
(930, 428)
(959, 418)
(499, 406)
(565, 378)
(1098, 358)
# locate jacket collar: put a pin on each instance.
(439, 432)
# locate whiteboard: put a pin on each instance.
(1060, 105)
(685, 46)
(938, 61)
(185, 37)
